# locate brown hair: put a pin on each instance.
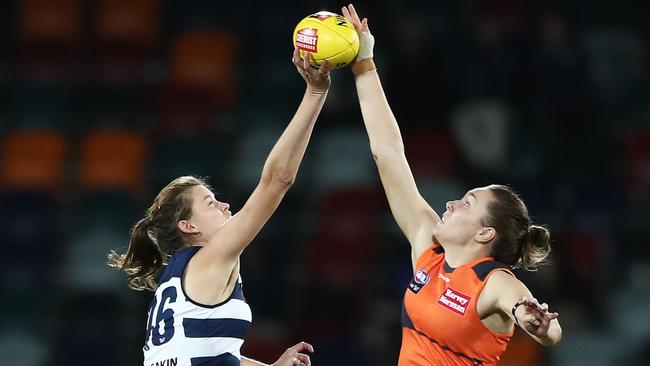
(518, 243)
(156, 236)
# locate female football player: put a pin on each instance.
(187, 248)
(463, 301)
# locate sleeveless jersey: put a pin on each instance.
(181, 332)
(440, 324)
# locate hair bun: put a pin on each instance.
(537, 247)
(538, 236)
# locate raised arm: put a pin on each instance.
(413, 214)
(278, 174)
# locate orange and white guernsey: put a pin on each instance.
(440, 324)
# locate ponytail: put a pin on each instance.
(536, 247)
(156, 236)
(143, 260)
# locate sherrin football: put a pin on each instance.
(327, 36)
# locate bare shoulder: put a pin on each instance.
(502, 289)
(209, 284)
(501, 278)
(503, 281)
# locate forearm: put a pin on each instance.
(286, 155)
(248, 362)
(378, 118)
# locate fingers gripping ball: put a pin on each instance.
(327, 36)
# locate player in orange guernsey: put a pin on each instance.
(463, 301)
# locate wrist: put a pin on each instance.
(363, 66)
(316, 92)
(514, 311)
(366, 45)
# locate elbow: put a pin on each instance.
(284, 179)
(386, 150)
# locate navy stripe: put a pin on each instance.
(408, 323)
(205, 328)
(224, 359)
(237, 292)
(177, 263)
(484, 268)
(447, 268)
(406, 320)
(439, 249)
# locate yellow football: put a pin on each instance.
(327, 36)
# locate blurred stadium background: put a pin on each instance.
(102, 102)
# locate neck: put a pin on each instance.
(457, 255)
(199, 242)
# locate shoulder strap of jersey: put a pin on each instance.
(482, 269)
(179, 260)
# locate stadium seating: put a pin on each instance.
(113, 160)
(49, 39)
(33, 159)
(206, 61)
(127, 35)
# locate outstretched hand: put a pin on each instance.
(351, 13)
(534, 318)
(318, 80)
(293, 356)
(366, 39)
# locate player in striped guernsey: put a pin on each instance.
(187, 249)
(463, 301)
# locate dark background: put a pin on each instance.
(103, 102)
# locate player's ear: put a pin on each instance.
(485, 235)
(187, 227)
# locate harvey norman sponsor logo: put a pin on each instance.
(454, 301)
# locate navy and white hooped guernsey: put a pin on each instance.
(181, 332)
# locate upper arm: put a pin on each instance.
(503, 290)
(413, 214)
